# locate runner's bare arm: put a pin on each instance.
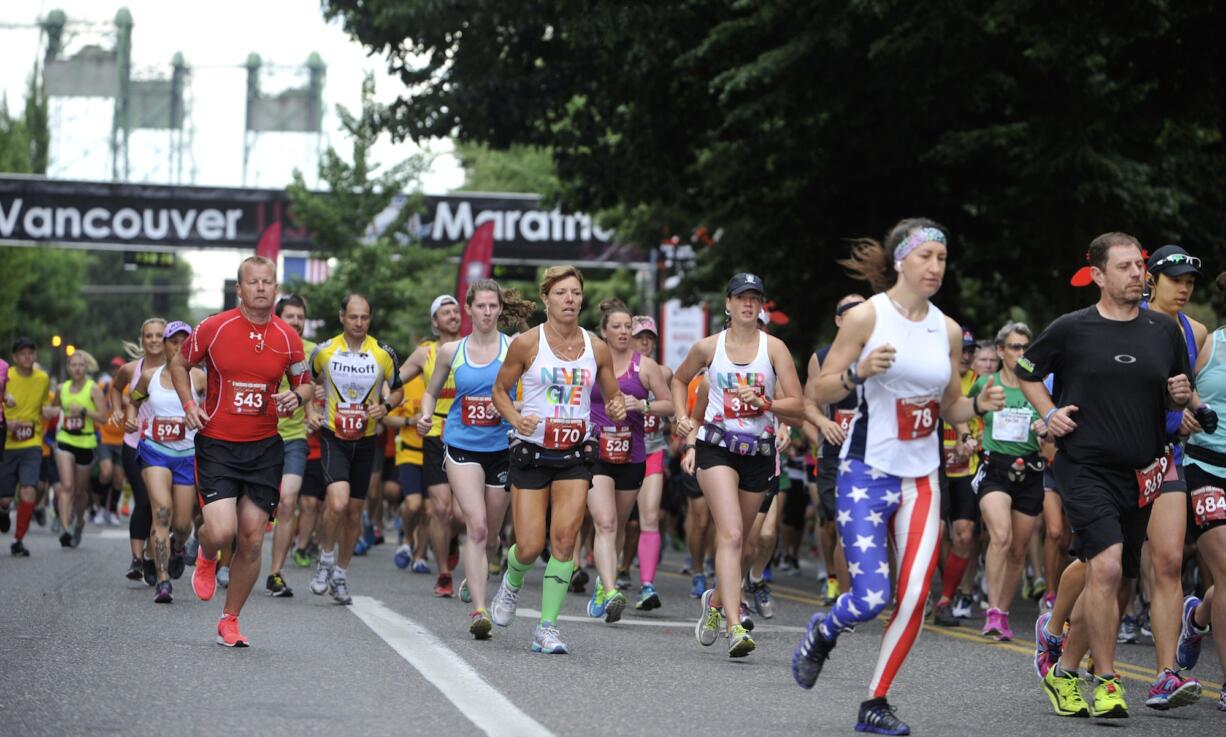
(413, 367)
(956, 407)
(697, 359)
(194, 415)
(788, 404)
(654, 381)
(833, 383)
(614, 403)
(446, 354)
(99, 414)
(114, 391)
(520, 355)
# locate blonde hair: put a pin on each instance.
(91, 363)
(137, 350)
(555, 274)
(256, 261)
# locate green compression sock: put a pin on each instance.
(515, 569)
(554, 587)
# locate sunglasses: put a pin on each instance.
(1017, 346)
(1177, 258)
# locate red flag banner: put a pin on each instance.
(475, 265)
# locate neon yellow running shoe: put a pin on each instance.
(1109, 700)
(1064, 693)
(709, 622)
(832, 590)
(740, 643)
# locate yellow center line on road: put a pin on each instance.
(1140, 674)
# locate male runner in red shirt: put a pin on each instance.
(245, 352)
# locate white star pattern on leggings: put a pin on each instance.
(874, 517)
(883, 568)
(853, 569)
(864, 542)
(843, 517)
(858, 494)
(875, 598)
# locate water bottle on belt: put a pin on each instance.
(1017, 471)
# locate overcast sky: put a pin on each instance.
(215, 38)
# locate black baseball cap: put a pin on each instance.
(1173, 261)
(745, 282)
(23, 342)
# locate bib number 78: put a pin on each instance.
(917, 417)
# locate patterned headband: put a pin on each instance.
(916, 239)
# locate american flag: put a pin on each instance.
(310, 270)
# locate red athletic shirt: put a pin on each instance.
(242, 375)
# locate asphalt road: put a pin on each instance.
(86, 652)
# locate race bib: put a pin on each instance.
(844, 417)
(246, 397)
(1208, 506)
(651, 424)
(166, 429)
(735, 409)
(563, 434)
(73, 424)
(22, 431)
(917, 417)
(479, 412)
(1149, 479)
(954, 464)
(350, 421)
(615, 444)
(1011, 425)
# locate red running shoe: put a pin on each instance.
(453, 554)
(204, 578)
(228, 634)
(442, 587)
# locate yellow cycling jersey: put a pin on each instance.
(353, 381)
(408, 441)
(442, 405)
(25, 421)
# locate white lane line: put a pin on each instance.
(112, 534)
(533, 614)
(481, 703)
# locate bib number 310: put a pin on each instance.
(735, 408)
(917, 417)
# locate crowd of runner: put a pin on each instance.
(1078, 466)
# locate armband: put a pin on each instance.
(138, 396)
(388, 407)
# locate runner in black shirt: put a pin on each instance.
(1119, 370)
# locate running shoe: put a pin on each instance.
(6, 522)
(698, 585)
(443, 587)
(99, 518)
(66, 540)
(466, 596)
(546, 639)
(614, 605)
(707, 629)
(402, 557)
(762, 600)
(578, 581)
(301, 558)
(112, 519)
(740, 643)
(962, 605)
(686, 568)
(340, 590)
(40, 517)
(421, 566)
(991, 624)
(276, 586)
(223, 577)
(1171, 690)
(623, 580)
(191, 550)
(596, 603)
(77, 531)
(1128, 631)
(1221, 702)
(1005, 633)
(19, 550)
(832, 590)
(228, 634)
(1064, 693)
(361, 546)
(204, 578)
(164, 593)
(149, 571)
(56, 527)
(943, 615)
(1039, 589)
(1143, 621)
(1108, 700)
(746, 619)
(1027, 588)
(135, 572)
(1190, 636)
(502, 606)
(177, 565)
(379, 539)
(1047, 648)
(479, 624)
(811, 654)
(648, 598)
(321, 579)
(877, 716)
(495, 569)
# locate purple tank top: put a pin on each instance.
(631, 385)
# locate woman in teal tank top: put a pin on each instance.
(80, 404)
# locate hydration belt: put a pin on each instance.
(739, 443)
(524, 454)
(1205, 455)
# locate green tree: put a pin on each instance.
(396, 274)
(517, 169)
(1025, 128)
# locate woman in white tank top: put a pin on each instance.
(900, 354)
(167, 456)
(552, 453)
(751, 379)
